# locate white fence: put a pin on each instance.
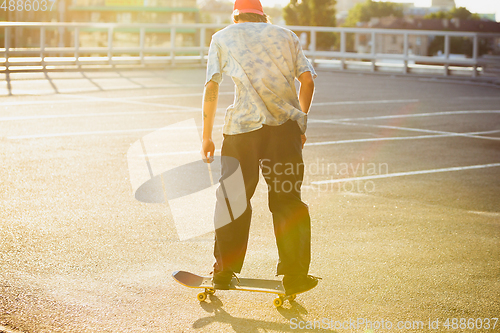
(45, 56)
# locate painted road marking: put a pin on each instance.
(104, 114)
(176, 95)
(132, 99)
(408, 173)
(396, 138)
(420, 130)
(55, 135)
(413, 115)
(385, 101)
(120, 100)
(177, 109)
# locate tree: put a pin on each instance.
(458, 45)
(460, 13)
(364, 11)
(316, 13)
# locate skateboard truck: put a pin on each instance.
(203, 295)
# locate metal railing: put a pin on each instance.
(63, 57)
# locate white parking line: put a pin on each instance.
(409, 173)
(385, 101)
(78, 115)
(413, 115)
(176, 109)
(120, 100)
(131, 100)
(97, 99)
(59, 101)
(479, 97)
(84, 98)
(176, 95)
(397, 138)
(103, 114)
(421, 130)
(56, 135)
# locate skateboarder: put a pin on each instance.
(264, 129)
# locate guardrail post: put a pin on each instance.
(374, 65)
(77, 46)
(142, 35)
(172, 46)
(312, 46)
(42, 46)
(203, 32)
(110, 45)
(7, 46)
(405, 54)
(62, 33)
(475, 53)
(446, 54)
(342, 49)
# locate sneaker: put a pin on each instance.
(296, 284)
(222, 280)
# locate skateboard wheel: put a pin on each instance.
(209, 291)
(292, 297)
(202, 297)
(278, 302)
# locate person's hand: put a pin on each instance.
(303, 137)
(207, 150)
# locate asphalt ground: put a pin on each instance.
(402, 181)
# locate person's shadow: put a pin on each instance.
(296, 311)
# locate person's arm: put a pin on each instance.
(210, 99)
(306, 93)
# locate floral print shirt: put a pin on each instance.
(263, 60)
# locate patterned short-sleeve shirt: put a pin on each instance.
(263, 60)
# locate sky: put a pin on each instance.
(475, 6)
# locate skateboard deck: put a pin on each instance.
(242, 284)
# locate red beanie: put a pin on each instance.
(248, 6)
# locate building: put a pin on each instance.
(443, 4)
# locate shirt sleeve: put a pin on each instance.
(302, 64)
(214, 68)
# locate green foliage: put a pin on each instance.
(364, 11)
(460, 13)
(317, 13)
(458, 45)
(297, 13)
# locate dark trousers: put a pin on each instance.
(277, 151)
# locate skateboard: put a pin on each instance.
(256, 285)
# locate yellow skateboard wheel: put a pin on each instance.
(278, 302)
(202, 297)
